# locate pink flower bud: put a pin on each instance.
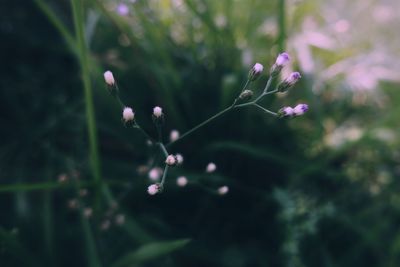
(211, 167)
(153, 189)
(128, 114)
(179, 159)
(181, 181)
(109, 78)
(282, 59)
(174, 135)
(157, 112)
(300, 109)
(155, 174)
(171, 160)
(223, 190)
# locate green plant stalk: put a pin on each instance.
(281, 25)
(77, 10)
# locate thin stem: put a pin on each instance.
(137, 126)
(164, 150)
(164, 175)
(244, 88)
(201, 125)
(266, 110)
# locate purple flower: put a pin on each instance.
(123, 9)
(282, 59)
(300, 109)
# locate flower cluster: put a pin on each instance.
(158, 175)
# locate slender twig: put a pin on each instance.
(164, 150)
(164, 175)
(266, 110)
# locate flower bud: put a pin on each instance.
(223, 190)
(153, 189)
(255, 72)
(182, 181)
(127, 114)
(179, 159)
(286, 112)
(155, 174)
(246, 95)
(171, 160)
(157, 112)
(211, 167)
(174, 135)
(281, 61)
(300, 109)
(109, 78)
(289, 81)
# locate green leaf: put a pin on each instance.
(150, 251)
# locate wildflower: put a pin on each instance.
(155, 174)
(174, 135)
(286, 111)
(157, 112)
(109, 78)
(127, 114)
(181, 181)
(211, 167)
(289, 81)
(281, 61)
(255, 71)
(179, 159)
(171, 160)
(120, 219)
(223, 190)
(300, 109)
(153, 189)
(123, 9)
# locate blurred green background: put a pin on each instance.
(318, 190)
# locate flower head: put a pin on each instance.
(155, 174)
(174, 135)
(286, 111)
(127, 114)
(157, 112)
(181, 181)
(300, 109)
(171, 160)
(289, 81)
(179, 159)
(223, 190)
(282, 59)
(123, 9)
(109, 78)
(255, 71)
(211, 167)
(153, 189)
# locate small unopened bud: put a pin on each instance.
(174, 135)
(281, 61)
(155, 174)
(62, 178)
(109, 78)
(289, 81)
(105, 225)
(157, 112)
(73, 204)
(127, 114)
(246, 95)
(300, 109)
(171, 160)
(153, 189)
(211, 167)
(255, 72)
(182, 181)
(223, 190)
(179, 159)
(286, 112)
